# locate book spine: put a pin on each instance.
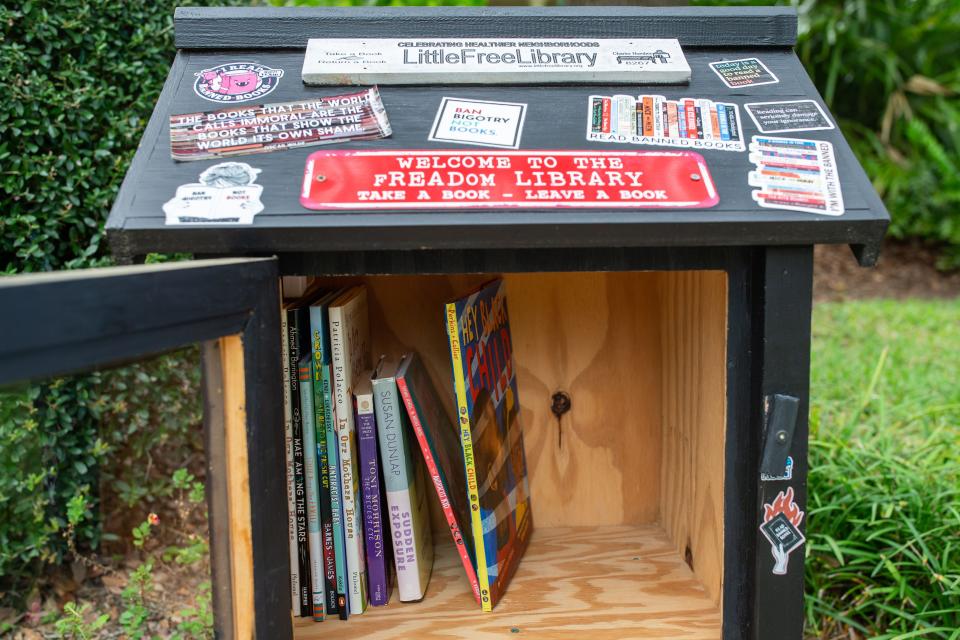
(664, 118)
(466, 437)
(291, 490)
(322, 418)
(733, 122)
(682, 119)
(378, 578)
(409, 527)
(706, 106)
(674, 131)
(299, 472)
(691, 120)
(347, 448)
(722, 117)
(314, 536)
(336, 503)
(438, 486)
(647, 116)
(605, 115)
(596, 115)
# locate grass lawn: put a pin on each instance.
(883, 558)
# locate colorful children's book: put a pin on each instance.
(485, 383)
(350, 350)
(403, 475)
(439, 442)
(378, 548)
(331, 524)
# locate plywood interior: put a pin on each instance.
(641, 355)
(602, 583)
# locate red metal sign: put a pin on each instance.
(530, 179)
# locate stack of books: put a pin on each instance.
(368, 442)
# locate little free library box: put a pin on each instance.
(649, 184)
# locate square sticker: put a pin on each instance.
(792, 115)
(745, 72)
(479, 122)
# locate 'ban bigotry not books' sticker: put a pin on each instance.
(224, 194)
(479, 122)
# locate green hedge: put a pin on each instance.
(81, 80)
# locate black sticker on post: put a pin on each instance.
(746, 72)
(793, 115)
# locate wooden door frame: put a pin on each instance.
(69, 322)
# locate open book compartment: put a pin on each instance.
(626, 486)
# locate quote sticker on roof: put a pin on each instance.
(236, 82)
(692, 123)
(479, 122)
(224, 194)
(746, 72)
(792, 115)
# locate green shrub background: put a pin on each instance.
(81, 80)
(82, 77)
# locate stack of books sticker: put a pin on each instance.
(795, 174)
(693, 123)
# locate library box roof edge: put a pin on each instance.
(212, 36)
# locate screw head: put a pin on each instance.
(695, 177)
(321, 178)
(781, 436)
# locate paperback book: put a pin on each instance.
(379, 560)
(314, 535)
(403, 474)
(350, 350)
(438, 439)
(335, 591)
(488, 407)
(288, 454)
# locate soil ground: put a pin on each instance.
(905, 270)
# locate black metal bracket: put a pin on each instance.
(781, 413)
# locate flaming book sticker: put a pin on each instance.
(781, 526)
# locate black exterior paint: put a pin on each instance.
(556, 119)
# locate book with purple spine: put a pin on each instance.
(378, 546)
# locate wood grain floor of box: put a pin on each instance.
(614, 582)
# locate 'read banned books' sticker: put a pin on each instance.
(687, 123)
(236, 82)
(795, 174)
(224, 194)
(781, 527)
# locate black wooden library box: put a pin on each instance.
(670, 499)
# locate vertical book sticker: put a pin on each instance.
(781, 527)
(224, 194)
(796, 175)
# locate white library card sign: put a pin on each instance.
(337, 61)
(479, 122)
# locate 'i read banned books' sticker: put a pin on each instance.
(529, 179)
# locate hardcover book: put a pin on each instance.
(296, 332)
(403, 474)
(439, 443)
(335, 591)
(379, 560)
(291, 488)
(350, 350)
(485, 383)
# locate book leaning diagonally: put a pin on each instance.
(337, 61)
(350, 348)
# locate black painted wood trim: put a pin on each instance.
(65, 322)
(781, 365)
(291, 27)
(266, 454)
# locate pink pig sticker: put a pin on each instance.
(236, 82)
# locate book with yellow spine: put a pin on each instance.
(488, 410)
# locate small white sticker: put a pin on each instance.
(479, 122)
(791, 115)
(224, 194)
(745, 72)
